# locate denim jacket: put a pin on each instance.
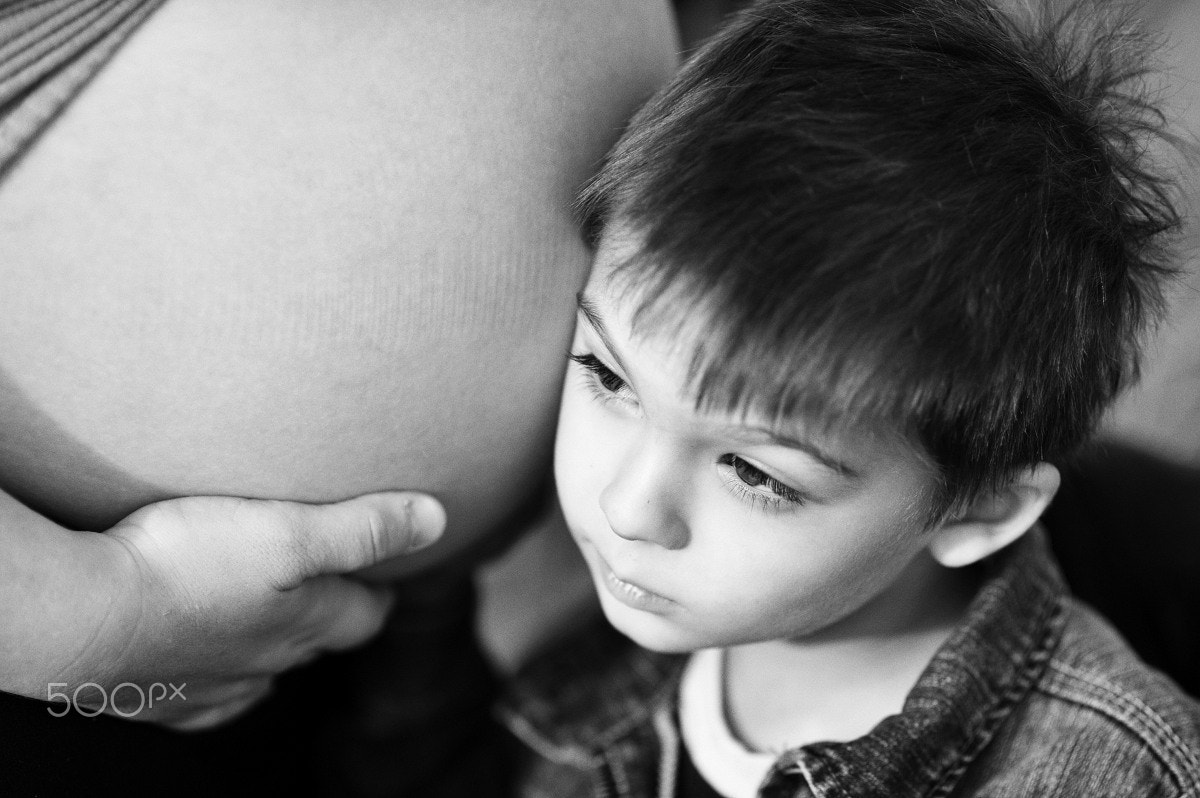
(1033, 695)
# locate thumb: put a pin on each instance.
(346, 536)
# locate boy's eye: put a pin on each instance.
(747, 473)
(604, 375)
(766, 488)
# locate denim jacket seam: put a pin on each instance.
(1039, 655)
(662, 696)
(801, 768)
(549, 742)
(617, 773)
(559, 753)
(669, 742)
(792, 764)
(1138, 719)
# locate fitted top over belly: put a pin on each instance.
(306, 250)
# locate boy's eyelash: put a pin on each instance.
(782, 494)
(608, 380)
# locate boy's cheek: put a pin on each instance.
(588, 452)
(571, 457)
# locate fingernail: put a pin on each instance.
(426, 518)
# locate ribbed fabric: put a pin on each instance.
(49, 49)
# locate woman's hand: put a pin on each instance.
(213, 597)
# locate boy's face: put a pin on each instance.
(706, 529)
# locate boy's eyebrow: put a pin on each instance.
(590, 312)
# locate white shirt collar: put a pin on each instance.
(729, 767)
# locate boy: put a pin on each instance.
(864, 270)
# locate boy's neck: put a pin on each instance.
(837, 684)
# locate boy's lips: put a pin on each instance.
(629, 593)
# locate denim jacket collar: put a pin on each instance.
(986, 667)
(560, 707)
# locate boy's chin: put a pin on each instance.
(654, 634)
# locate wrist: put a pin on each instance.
(75, 612)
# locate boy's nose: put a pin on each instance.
(641, 500)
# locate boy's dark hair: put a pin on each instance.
(910, 211)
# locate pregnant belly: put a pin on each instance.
(234, 268)
(145, 400)
(120, 385)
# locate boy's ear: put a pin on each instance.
(993, 521)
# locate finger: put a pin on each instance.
(344, 613)
(351, 535)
